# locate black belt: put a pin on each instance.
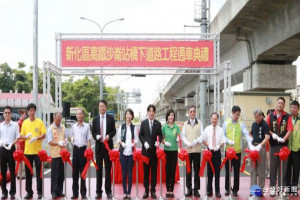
(256, 143)
(83, 147)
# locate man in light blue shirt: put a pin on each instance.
(9, 134)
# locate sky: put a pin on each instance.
(141, 16)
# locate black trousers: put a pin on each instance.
(194, 161)
(151, 153)
(78, 163)
(171, 162)
(100, 156)
(57, 176)
(293, 167)
(216, 161)
(37, 164)
(7, 159)
(236, 164)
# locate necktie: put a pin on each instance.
(214, 139)
(151, 126)
(101, 127)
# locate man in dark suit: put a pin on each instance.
(103, 130)
(150, 129)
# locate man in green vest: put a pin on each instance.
(293, 165)
(234, 129)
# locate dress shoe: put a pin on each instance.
(209, 193)
(98, 196)
(125, 196)
(196, 193)
(168, 195)
(28, 196)
(4, 196)
(146, 195)
(54, 196)
(40, 196)
(109, 195)
(128, 196)
(62, 195)
(218, 195)
(189, 193)
(226, 193)
(234, 193)
(83, 197)
(12, 196)
(172, 195)
(74, 197)
(153, 195)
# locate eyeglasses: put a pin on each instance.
(192, 111)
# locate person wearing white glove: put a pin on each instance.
(98, 137)
(127, 136)
(170, 132)
(191, 134)
(150, 129)
(146, 145)
(213, 137)
(234, 129)
(280, 125)
(9, 135)
(57, 140)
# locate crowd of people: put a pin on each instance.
(279, 130)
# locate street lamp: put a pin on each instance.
(101, 30)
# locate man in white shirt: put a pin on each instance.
(214, 139)
(191, 137)
(9, 134)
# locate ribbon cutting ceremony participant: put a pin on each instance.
(260, 134)
(56, 138)
(103, 130)
(21, 143)
(149, 130)
(9, 134)
(233, 129)
(191, 137)
(281, 127)
(214, 139)
(33, 132)
(293, 165)
(80, 136)
(170, 132)
(127, 138)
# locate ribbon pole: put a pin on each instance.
(42, 166)
(229, 197)
(113, 165)
(65, 179)
(184, 176)
(160, 179)
(20, 180)
(206, 197)
(89, 174)
(137, 180)
(253, 180)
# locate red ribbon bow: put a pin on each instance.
(137, 156)
(283, 153)
(65, 155)
(19, 157)
(207, 155)
(253, 155)
(89, 155)
(184, 156)
(160, 153)
(113, 154)
(43, 158)
(230, 154)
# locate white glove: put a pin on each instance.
(61, 143)
(257, 148)
(200, 140)
(177, 139)
(8, 147)
(123, 144)
(72, 140)
(252, 148)
(28, 135)
(210, 147)
(168, 144)
(188, 144)
(146, 145)
(217, 148)
(280, 140)
(33, 139)
(156, 144)
(230, 142)
(1, 143)
(274, 136)
(250, 140)
(98, 137)
(194, 143)
(133, 144)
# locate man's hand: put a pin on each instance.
(146, 145)
(98, 137)
(123, 144)
(194, 143)
(61, 143)
(177, 139)
(28, 135)
(168, 144)
(210, 147)
(258, 147)
(274, 136)
(107, 138)
(133, 144)
(280, 140)
(200, 140)
(156, 144)
(33, 139)
(252, 148)
(230, 142)
(217, 148)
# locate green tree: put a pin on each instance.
(6, 78)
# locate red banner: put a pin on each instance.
(121, 53)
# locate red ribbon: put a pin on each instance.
(43, 158)
(89, 155)
(65, 155)
(253, 155)
(137, 156)
(19, 157)
(184, 156)
(283, 153)
(160, 153)
(207, 155)
(230, 154)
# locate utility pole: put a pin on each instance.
(35, 53)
